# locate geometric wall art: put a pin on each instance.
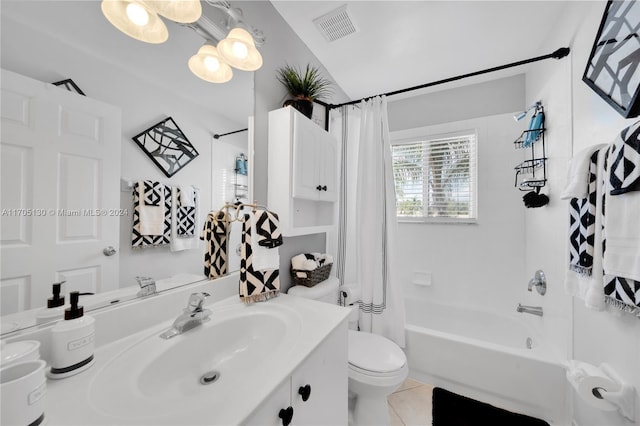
(613, 68)
(167, 146)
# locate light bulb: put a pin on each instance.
(240, 50)
(211, 63)
(137, 14)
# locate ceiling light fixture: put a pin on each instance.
(141, 20)
(208, 65)
(239, 50)
(182, 11)
(136, 19)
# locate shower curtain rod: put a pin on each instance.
(217, 136)
(558, 54)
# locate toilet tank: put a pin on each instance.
(326, 291)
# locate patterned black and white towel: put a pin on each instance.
(185, 217)
(620, 291)
(624, 170)
(582, 219)
(216, 235)
(154, 192)
(268, 229)
(255, 285)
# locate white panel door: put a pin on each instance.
(60, 199)
(305, 158)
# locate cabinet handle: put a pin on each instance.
(286, 414)
(324, 188)
(319, 188)
(305, 392)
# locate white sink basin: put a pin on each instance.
(155, 378)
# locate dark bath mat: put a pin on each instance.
(450, 409)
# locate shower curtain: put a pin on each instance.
(366, 247)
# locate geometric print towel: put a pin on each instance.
(216, 235)
(152, 194)
(254, 285)
(185, 217)
(268, 229)
(582, 219)
(620, 292)
(625, 161)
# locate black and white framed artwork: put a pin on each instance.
(167, 146)
(613, 69)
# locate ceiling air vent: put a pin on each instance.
(335, 24)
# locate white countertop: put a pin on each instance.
(68, 400)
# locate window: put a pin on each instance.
(435, 178)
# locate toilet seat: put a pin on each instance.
(374, 355)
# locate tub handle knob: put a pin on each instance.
(539, 281)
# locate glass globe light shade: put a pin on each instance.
(208, 65)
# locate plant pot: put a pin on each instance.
(305, 106)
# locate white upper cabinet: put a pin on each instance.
(314, 161)
(302, 173)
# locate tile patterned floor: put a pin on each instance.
(410, 405)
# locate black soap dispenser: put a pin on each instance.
(72, 341)
(55, 306)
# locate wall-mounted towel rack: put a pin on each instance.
(237, 207)
(126, 184)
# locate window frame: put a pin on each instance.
(423, 135)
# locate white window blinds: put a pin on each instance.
(435, 179)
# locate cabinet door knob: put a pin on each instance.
(286, 414)
(305, 392)
(319, 188)
(324, 188)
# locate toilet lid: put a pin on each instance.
(375, 353)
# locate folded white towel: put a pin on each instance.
(184, 243)
(589, 287)
(302, 262)
(151, 217)
(578, 177)
(186, 196)
(263, 258)
(622, 228)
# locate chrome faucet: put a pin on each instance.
(147, 286)
(539, 281)
(534, 310)
(192, 316)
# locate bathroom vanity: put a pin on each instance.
(278, 362)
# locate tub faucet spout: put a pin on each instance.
(534, 310)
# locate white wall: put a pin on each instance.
(577, 118)
(28, 51)
(471, 264)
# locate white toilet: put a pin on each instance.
(377, 366)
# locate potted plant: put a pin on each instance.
(304, 87)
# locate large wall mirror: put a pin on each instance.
(43, 240)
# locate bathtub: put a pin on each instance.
(497, 358)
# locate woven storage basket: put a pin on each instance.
(311, 278)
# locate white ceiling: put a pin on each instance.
(400, 44)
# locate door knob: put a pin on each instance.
(109, 251)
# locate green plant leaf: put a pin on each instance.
(308, 84)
